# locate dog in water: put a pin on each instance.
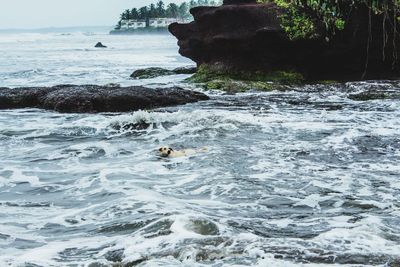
(169, 152)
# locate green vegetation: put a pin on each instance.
(301, 16)
(158, 10)
(323, 19)
(207, 73)
(214, 78)
(296, 23)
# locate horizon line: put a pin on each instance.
(55, 27)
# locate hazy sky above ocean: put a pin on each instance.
(28, 14)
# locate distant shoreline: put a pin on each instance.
(161, 30)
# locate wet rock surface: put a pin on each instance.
(93, 98)
(154, 72)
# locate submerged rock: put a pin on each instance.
(154, 72)
(242, 35)
(93, 98)
(203, 227)
(138, 126)
(100, 45)
(115, 255)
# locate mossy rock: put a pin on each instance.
(216, 78)
(236, 86)
(151, 73)
(226, 85)
(155, 72)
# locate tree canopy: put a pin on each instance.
(158, 10)
(332, 13)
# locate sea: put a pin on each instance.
(302, 177)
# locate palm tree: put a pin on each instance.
(172, 10)
(160, 9)
(143, 12)
(134, 13)
(183, 11)
(153, 13)
(118, 26)
(126, 14)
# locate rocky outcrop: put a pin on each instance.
(154, 72)
(93, 98)
(100, 45)
(244, 36)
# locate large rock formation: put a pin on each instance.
(244, 36)
(93, 98)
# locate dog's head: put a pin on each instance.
(165, 151)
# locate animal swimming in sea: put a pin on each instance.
(166, 151)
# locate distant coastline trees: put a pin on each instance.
(158, 10)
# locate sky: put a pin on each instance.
(33, 14)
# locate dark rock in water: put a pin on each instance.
(138, 126)
(150, 73)
(204, 227)
(100, 45)
(244, 36)
(154, 72)
(97, 264)
(115, 255)
(93, 98)
(375, 95)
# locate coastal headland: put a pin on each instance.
(249, 40)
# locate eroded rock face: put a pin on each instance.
(243, 36)
(93, 98)
(231, 35)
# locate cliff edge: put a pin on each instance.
(242, 35)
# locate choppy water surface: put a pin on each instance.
(39, 58)
(300, 177)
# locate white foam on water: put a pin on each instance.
(312, 201)
(294, 178)
(20, 176)
(364, 238)
(282, 223)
